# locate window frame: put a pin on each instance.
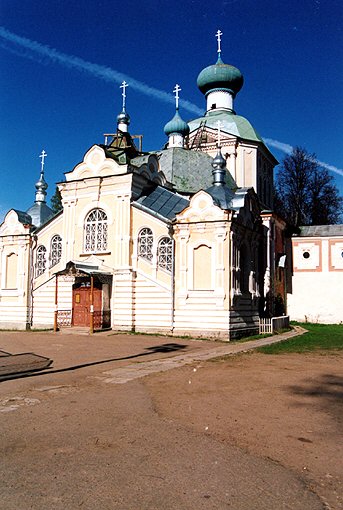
(40, 266)
(94, 228)
(165, 260)
(55, 245)
(145, 244)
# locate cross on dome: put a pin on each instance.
(218, 34)
(176, 91)
(123, 86)
(43, 155)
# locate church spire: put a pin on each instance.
(40, 212)
(123, 119)
(219, 163)
(221, 193)
(41, 185)
(176, 129)
(220, 82)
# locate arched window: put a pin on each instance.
(95, 232)
(40, 260)
(165, 253)
(145, 244)
(56, 250)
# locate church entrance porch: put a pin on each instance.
(89, 301)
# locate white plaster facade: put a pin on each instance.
(316, 294)
(163, 257)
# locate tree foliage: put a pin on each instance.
(56, 201)
(305, 193)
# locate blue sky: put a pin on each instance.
(63, 61)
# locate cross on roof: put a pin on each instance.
(176, 92)
(123, 86)
(219, 125)
(43, 156)
(218, 34)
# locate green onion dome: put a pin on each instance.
(176, 125)
(220, 76)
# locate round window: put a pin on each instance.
(306, 254)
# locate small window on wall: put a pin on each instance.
(40, 260)
(11, 271)
(306, 255)
(165, 254)
(145, 244)
(56, 250)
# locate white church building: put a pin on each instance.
(180, 240)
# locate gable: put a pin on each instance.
(95, 164)
(15, 223)
(201, 208)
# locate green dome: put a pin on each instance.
(176, 125)
(220, 76)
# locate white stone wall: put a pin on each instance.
(317, 282)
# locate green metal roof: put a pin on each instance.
(230, 123)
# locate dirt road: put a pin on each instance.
(210, 435)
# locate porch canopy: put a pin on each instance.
(91, 268)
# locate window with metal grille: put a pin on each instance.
(165, 253)
(55, 250)
(95, 232)
(145, 243)
(40, 260)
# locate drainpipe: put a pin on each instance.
(91, 315)
(56, 304)
(172, 319)
(33, 245)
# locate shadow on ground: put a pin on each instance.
(6, 375)
(326, 391)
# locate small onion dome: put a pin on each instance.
(41, 184)
(123, 118)
(219, 161)
(220, 76)
(176, 125)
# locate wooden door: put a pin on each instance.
(81, 306)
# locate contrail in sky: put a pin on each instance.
(42, 54)
(288, 149)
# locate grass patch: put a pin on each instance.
(320, 337)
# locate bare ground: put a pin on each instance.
(288, 408)
(247, 432)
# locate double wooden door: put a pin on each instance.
(81, 306)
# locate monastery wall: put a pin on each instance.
(318, 269)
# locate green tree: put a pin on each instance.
(305, 193)
(56, 201)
